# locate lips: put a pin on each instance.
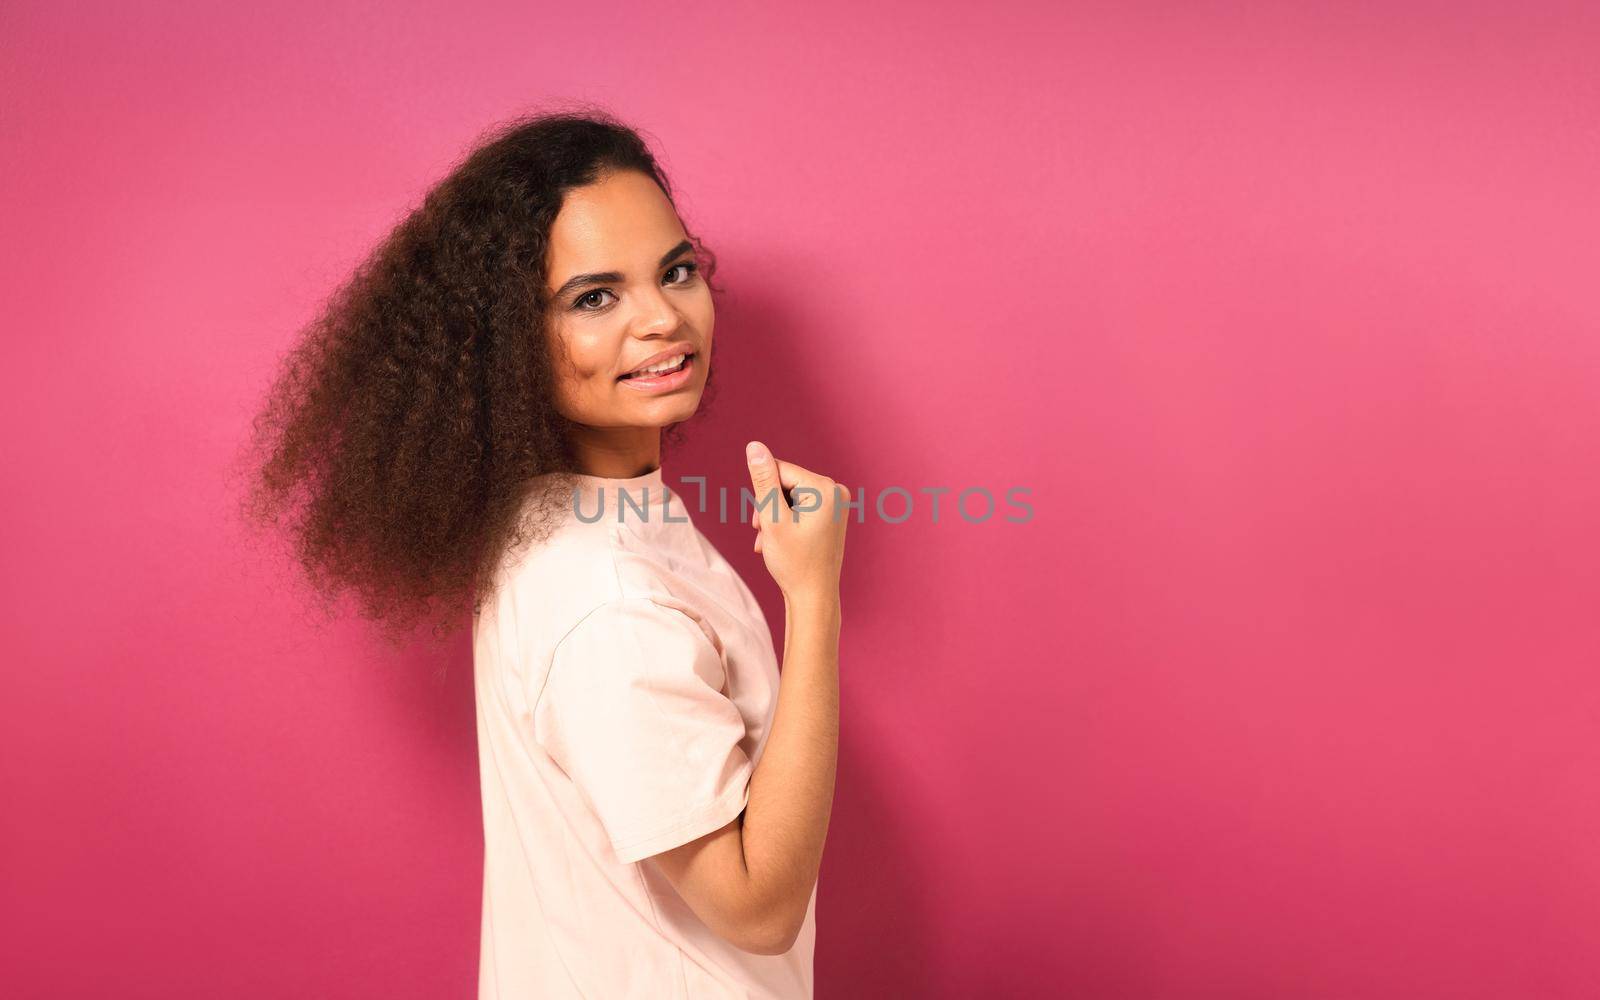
(633, 376)
(664, 383)
(656, 359)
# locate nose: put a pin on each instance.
(657, 317)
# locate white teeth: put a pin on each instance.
(666, 365)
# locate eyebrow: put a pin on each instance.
(602, 277)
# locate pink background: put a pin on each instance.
(1287, 318)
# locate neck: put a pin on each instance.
(616, 452)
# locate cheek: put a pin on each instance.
(591, 355)
(582, 362)
(703, 317)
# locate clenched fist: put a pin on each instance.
(802, 543)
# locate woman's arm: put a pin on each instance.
(791, 793)
(752, 880)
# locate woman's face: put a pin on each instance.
(625, 287)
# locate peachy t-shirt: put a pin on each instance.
(625, 683)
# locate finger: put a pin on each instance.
(792, 475)
(795, 477)
(764, 477)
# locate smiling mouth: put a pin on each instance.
(658, 374)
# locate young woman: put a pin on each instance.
(499, 373)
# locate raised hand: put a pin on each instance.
(802, 544)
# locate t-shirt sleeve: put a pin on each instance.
(634, 710)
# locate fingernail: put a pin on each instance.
(754, 452)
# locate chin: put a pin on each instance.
(674, 411)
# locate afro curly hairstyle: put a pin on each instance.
(399, 444)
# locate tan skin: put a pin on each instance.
(751, 881)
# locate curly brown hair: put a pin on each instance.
(399, 443)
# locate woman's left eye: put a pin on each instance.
(691, 268)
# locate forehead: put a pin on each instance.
(621, 222)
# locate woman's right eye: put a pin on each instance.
(578, 303)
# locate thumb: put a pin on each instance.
(763, 472)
